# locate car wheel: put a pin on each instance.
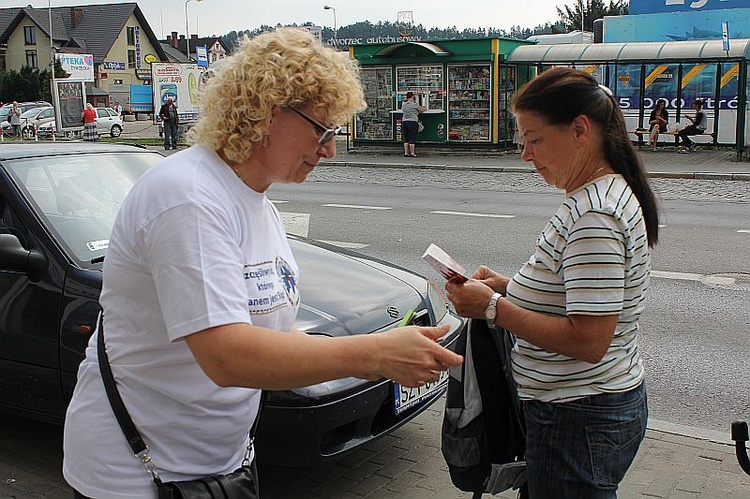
(27, 132)
(69, 134)
(115, 131)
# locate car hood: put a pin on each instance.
(343, 294)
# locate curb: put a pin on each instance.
(717, 437)
(739, 177)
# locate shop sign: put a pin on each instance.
(143, 74)
(345, 42)
(113, 66)
(655, 6)
(78, 66)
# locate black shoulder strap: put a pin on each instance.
(118, 406)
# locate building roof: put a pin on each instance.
(198, 42)
(174, 55)
(96, 31)
(693, 50)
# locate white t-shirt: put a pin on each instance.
(192, 248)
(591, 259)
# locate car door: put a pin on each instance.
(45, 116)
(103, 121)
(29, 317)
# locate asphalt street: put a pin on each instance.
(674, 461)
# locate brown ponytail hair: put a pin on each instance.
(561, 94)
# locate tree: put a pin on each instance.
(28, 84)
(590, 10)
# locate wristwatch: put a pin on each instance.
(490, 313)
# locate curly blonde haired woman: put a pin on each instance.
(195, 254)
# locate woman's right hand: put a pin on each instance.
(411, 355)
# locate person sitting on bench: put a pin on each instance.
(658, 122)
(697, 127)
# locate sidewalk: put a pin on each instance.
(705, 164)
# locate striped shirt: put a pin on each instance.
(591, 259)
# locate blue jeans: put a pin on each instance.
(582, 449)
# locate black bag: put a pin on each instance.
(483, 433)
(240, 484)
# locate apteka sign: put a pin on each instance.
(78, 66)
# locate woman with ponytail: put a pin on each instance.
(575, 306)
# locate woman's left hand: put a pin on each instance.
(470, 299)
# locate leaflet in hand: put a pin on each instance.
(444, 264)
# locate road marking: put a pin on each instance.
(297, 224)
(341, 244)
(357, 206)
(466, 214)
(705, 279)
(661, 226)
(744, 231)
(278, 201)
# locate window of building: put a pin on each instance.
(29, 35)
(130, 30)
(31, 59)
(131, 58)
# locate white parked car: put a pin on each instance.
(107, 122)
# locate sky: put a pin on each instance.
(218, 17)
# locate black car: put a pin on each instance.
(57, 205)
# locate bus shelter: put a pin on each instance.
(640, 73)
(465, 86)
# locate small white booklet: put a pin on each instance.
(444, 264)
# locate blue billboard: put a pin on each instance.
(668, 27)
(656, 6)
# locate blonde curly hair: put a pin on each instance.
(287, 67)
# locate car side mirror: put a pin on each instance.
(13, 256)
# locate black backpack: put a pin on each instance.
(483, 434)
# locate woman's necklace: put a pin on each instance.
(593, 175)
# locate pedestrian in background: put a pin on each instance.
(200, 287)
(15, 120)
(575, 306)
(658, 121)
(697, 127)
(88, 117)
(171, 121)
(117, 108)
(410, 123)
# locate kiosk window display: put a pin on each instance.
(469, 103)
(425, 81)
(375, 122)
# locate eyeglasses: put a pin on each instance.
(326, 134)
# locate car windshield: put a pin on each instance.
(77, 197)
(31, 113)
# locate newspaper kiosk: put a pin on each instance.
(465, 86)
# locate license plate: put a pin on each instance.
(404, 397)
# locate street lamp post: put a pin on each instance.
(51, 44)
(187, 28)
(582, 30)
(335, 29)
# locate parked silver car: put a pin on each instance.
(24, 106)
(30, 120)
